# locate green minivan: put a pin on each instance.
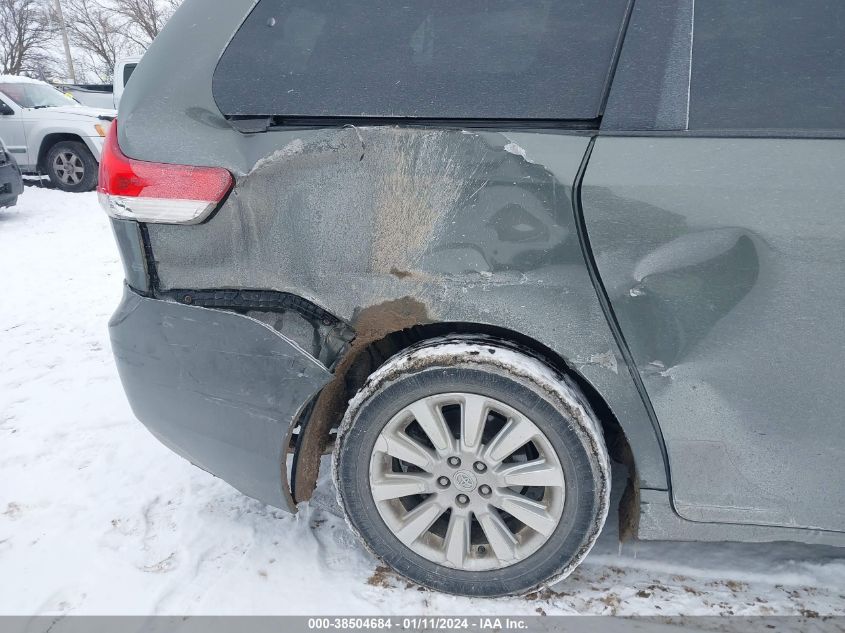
(481, 250)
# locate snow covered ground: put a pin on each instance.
(96, 517)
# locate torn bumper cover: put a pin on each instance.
(221, 389)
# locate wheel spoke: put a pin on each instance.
(431, 420)
(402, 446)
(501, 539)
(538, 472)
(531, 513)
(418, 520)
(516, 433)
(473, 418)
(458, 539)
(462, 478)
(396, 485)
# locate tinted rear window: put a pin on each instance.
(500, 59)
(768, 64)
(127, 72)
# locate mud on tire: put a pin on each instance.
(473, 468)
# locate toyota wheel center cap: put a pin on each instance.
(464, 481)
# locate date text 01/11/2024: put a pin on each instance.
(427, 623)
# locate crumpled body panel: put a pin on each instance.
(474, 226)
(221, 389)
(723, 260)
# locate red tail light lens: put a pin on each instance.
(132, 189)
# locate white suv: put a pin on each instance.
(50, 133)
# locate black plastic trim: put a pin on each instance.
(152, 270)
(257, 124)
(245, 300)
(617, 52)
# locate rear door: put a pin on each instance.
(714, 200)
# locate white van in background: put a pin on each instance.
(123, 70)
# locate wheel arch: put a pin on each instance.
(49, 140)
(321, 418)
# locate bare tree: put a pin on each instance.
(144, 19)
(26, 31)
(97, 32)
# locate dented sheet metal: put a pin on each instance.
(723, 261)
(475, 226)
(219, 388)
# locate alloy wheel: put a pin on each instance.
(69, 168)
(467, 482)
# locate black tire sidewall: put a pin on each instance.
(581, 505)
(89, 180)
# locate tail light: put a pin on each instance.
(132, 189)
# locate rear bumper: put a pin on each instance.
(221, 389)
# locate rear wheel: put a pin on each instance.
(473, 469)
(71, 166)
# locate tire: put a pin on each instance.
(432, 520)
(71, 167)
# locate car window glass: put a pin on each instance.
(34, 95)
(127, 72)
(544, 59)
(768, 64)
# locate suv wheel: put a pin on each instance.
(71, 167)
(473, 468)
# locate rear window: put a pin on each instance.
(768, 64)
(467, 59)
(127, 72)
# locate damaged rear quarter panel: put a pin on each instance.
(507, 255)
(477, 226)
